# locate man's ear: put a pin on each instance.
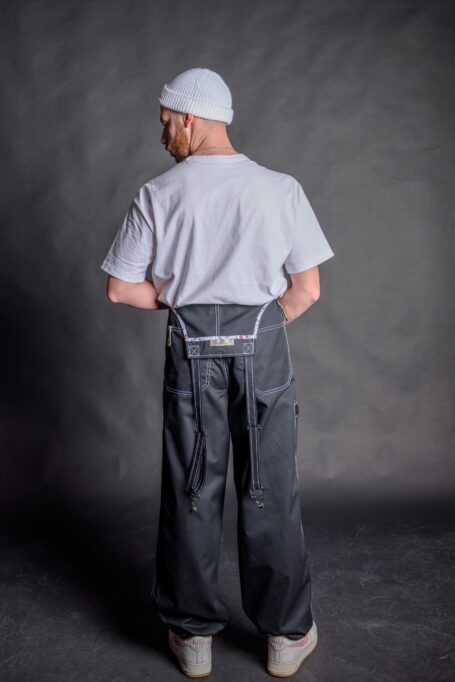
(187, 119)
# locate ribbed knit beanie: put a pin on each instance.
(200, 92)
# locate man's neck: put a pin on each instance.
(215, 150)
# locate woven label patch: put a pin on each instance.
(222, 342)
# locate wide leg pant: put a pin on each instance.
(228, 374)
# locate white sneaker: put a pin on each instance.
(285, 655)
(194, 653)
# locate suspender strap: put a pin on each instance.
(256, 489)
(199, 345)
(199, 456)
(198, 460)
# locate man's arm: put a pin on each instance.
(304, 291)
(139, 295)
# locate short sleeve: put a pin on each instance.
(309, 244)
(132, 250)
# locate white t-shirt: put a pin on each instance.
(217, 229)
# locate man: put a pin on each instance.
(218, 230)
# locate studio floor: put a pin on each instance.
(76, 580)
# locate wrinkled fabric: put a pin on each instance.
(274, 571)
(217, 229)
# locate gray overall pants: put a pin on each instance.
(228, 374)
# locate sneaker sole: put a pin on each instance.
(190, 669)
(288, 669)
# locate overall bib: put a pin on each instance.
(228, 375)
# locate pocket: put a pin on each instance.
(273, 369)
(283, 314)
(177, 366)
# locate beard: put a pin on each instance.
(180, 147)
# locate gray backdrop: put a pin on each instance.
(355, 100)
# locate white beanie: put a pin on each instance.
(200, 92)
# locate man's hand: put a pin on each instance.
(140, 295)
(303, 292)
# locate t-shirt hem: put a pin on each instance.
(310, 263)
(116, 272)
